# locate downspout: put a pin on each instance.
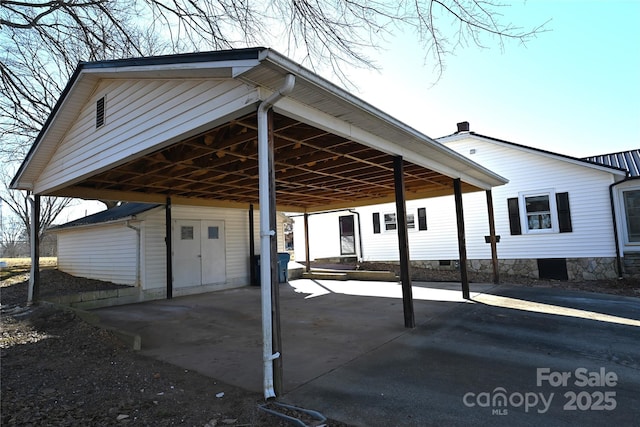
(615, 229)
(356, 213)
(138, 247)
(266, 233)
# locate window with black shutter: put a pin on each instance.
(539, 212)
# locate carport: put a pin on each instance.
(234, 129)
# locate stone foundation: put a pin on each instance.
(578, 269)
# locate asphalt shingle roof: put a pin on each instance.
(119, 212)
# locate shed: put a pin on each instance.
(125, 245)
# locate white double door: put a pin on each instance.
(198, 252)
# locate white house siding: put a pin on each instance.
(140, 115)
(104, 252)
(588, 189)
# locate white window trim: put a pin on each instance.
(623, 216)
(524, 223)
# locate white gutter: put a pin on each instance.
(266, 232)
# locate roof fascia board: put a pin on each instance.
(532, 150)
(225, 69)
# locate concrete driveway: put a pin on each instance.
(511, 356)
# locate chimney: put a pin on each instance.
(463, 127)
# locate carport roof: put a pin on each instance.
(331, 149)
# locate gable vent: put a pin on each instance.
(100, 112)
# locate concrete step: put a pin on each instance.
(381, 276)
(324, 275)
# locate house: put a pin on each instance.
(125, 245)
(553, 219)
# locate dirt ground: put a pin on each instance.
(58, 370)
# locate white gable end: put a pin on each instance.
(529, 172)
(141, 116)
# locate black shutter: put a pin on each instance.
(564, 213)
(514, 216)
(422, 218)
(376, 223)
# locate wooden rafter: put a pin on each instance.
(313, 168)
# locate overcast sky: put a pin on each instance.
(574, 89)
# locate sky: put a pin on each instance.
(574, 89)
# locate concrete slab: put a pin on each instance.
(347, 354)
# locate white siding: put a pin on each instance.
(139, 116)
(588, 190)
(106, 252)
(236, 222)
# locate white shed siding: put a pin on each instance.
(154, 269)
(105, 252)
(140, 115)
(236, 222)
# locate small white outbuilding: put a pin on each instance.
(126, 245)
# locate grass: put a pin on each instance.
(17, 266)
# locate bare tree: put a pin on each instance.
(327, 33)
(12, 238)
(18, 204)
(41, 42)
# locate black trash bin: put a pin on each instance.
(283, 268)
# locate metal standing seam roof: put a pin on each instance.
(629, 160)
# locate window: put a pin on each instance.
(100, 112)
(390, 223)
(186, 232)
(288, 236)
(632, 214)
(539, 212)
(213, 233)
